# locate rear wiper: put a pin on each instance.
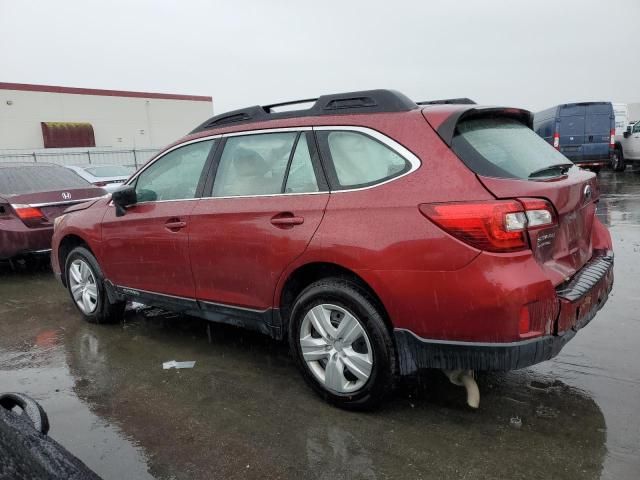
(563, 167)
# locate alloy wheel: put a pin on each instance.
(336, 348)
(82, 283)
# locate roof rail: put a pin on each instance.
(366, 101)
(447, 101)
(269, 108)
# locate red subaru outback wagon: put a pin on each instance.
(377, 235)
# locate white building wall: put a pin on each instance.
(118, 122)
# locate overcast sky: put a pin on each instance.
(525, 53)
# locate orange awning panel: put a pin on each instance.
(67, 134)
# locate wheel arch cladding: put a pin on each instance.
(305, 275)
(67, 244)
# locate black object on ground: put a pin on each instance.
(25, 449)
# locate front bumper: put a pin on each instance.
(580, 301)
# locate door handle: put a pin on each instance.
(174, 225)
(286, 220)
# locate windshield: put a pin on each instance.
(504, 148)
(33, 179)
(110, 171)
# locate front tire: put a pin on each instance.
(85, 283)
(341, 344)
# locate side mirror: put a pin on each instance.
(627, 132)
(123, 197)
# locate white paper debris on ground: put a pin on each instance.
(174, 364)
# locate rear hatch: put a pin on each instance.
(564, 248)
(37, 194)
(512, 162)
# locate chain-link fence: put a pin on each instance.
(77, 156)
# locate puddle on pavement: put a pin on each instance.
(33, 360)
(244, 412)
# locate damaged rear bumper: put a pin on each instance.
(580, 301)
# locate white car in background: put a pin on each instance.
(108, 177)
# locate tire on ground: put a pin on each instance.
(617, 162)
(105, 312)
(356, 301)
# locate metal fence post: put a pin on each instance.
(89, 155)
(35, 158)
(135, 158)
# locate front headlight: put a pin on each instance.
(57, 220)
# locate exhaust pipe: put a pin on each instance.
(464, 378)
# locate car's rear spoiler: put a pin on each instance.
(449, 101)
(445, 118)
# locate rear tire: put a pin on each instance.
(617, 161)
(342, 345)
(85, 283)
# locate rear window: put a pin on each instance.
(33, 179)
(110, 171)
(504, 148)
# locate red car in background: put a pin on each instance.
(377, 235)
(32, 195)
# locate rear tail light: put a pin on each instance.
(494, 226)
(27, 212)
(612, 139)
(556, 141)
(539, 213)
(32, 217)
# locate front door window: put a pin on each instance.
(176, 175)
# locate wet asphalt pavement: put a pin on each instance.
(244, 411)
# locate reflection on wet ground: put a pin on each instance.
(244, 412)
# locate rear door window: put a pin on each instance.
(504, 148)
(254, 164)
(301, 177)
(38, 178)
